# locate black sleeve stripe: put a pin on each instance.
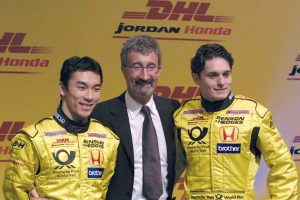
(179, 134)
(254, 137)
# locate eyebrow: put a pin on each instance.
(139, 63)
(83, 83)
(215, 72)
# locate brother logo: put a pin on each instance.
(228, 148)
(95, 172)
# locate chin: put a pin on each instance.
(85, 115)
(223, 97)
(218, 98)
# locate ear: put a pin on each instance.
(123, 71)
(196, 78)
(62, 89)
(159, 70)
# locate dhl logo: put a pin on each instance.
(161, 10)
(181, 93)
(9, 129)
(12, 43)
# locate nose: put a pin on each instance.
(89, 95)
(221, 80)
(144, 74)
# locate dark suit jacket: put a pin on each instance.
(113, 114)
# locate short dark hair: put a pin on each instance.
(207, 52)
(76, 63)
(143, 44)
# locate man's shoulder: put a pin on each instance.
(97, 125)
(109, 101)
(104, 105)
(33, 129)
(166, 101)
(105, 109)
(250, 103)
(189, 107)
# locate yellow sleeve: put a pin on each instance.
(282, 177)
(21, 169)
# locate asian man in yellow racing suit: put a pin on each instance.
(69, 155)
(224, 136)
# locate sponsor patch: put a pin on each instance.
(217, 196)
(295, 148)
(96, 157)
(93, 144)
(193, 112)
(97, 135)
(230, 120)
(237, 112)
(18, 144)
(55, 133)
(198, 119)
(63, 142)
(229, 133)
(16, 163)
(229, 148)
(64, 157)
(95, 172)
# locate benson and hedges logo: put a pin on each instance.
(195, 16)
(13, 44)
(294, 74)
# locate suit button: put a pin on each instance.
(129, 193)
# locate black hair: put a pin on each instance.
(207, 52)
(76, 63)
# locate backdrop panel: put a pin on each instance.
(36, 37)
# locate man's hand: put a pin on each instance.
(33, 195)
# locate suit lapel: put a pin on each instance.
(120, 124)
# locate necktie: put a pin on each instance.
(152, 183)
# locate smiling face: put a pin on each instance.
(141, 83)
(215, 80)
(81, 95)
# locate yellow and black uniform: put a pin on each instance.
(223, 142)
(62, 159)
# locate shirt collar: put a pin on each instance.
(134, 107)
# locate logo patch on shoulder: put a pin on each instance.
(18, 144)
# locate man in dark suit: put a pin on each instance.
(141, 67)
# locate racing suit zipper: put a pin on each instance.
(211, 150)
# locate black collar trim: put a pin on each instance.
(70, 125)
(217, 105)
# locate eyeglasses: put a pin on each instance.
(139, 68)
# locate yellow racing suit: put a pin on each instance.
(223, 149)
(60, 164)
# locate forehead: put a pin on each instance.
(88, 77)
(134, 56)
(216, 64)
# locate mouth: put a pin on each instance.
(86, 106)
(220, 89)
(144, 82)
